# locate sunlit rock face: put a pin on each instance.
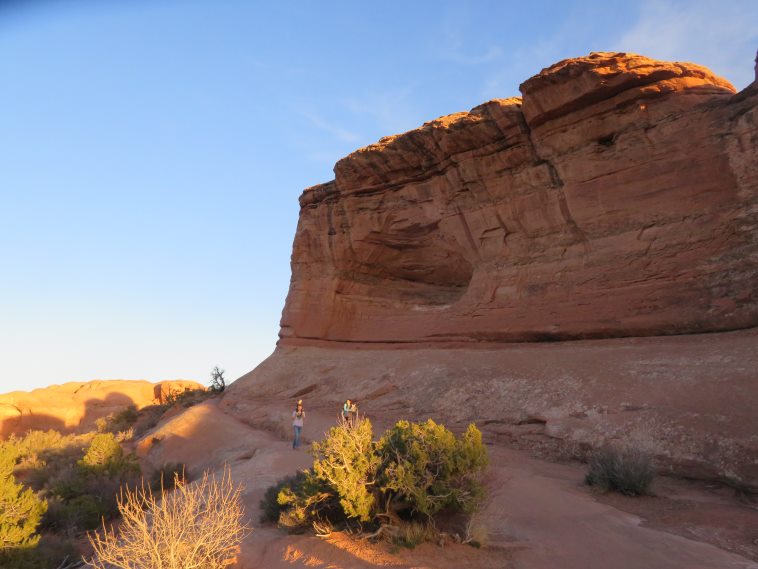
(618, 197)
(77, 405)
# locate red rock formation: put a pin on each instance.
(618, 198)
(75, 406)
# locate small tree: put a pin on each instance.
(218, 383)
(425, 468)
(20, 510)
(196, 525)
(347, 461)
(105, 456)
(103, 452)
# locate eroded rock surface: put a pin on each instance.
(546, 267)
(687, 400)
(619, 197)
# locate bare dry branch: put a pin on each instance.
(196, 526)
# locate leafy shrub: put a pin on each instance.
(19, 557)
(426, 467)
(186, 398)
(629, 472)
(84, 492)
(67, 483)
(20, 509)
(35, 442)
(124, 419)
(78, 493)
(309, 500)
(105, 455)
(83, 512)
(415, 469)
(80, 498)
(156, 533)
(102, 452)
(118, 422)
(269, 504)
(347, 461)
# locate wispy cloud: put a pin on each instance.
(456, 43)
(524, 62)
(720, 35)
(391, 110)
(336, 131)
(373, 114)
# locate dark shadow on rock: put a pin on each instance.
(25, 422)
(25, 418)
(95, 409)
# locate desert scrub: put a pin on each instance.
(118, 422)
(187, 397)
(394, 486)
(296, 502)
(155, 532)
(76, 478)
(20, 509)
(628, 471)
(347, 461)
(425, 467)
(105, 455)
(411, 534)
(169, 476)
(269, 504)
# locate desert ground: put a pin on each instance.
(538, 515)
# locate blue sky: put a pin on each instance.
(152, 151)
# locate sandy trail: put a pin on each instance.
(538, 515)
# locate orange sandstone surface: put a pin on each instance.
(617, 198)
(75, 406)
(573, 268)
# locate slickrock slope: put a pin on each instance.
(75, 406)
(688, 400)
(537, 514)
(618, 198)
(444, 270)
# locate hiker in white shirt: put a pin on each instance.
(297, 423)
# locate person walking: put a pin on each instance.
(297, 423)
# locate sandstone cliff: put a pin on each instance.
(619, 197)
(75, 406)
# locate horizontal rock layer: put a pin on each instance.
(619, 197)
(687, 400)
